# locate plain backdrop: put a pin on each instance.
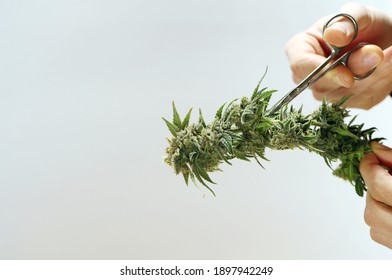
(83, 87)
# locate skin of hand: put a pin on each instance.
(307, 50)
(376, 169)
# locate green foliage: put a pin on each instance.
(244, 129)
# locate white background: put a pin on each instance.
(83, 86)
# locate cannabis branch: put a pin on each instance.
(244, 128)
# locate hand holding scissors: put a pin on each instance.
(338, 56)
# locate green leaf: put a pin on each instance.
(201, 119)
(176, 116)
(311, 147)
(328, 162)
(342, 100)
(246, 112)
(222, 156)
(220, 110)
(186, 177)
(256, 90)
(267, 94)
(204, 184)
(192, 156)
(352, 121)
(262, 125)
(203, 174)
(246, 130)
(350, 172)
(257, 160)
(185, 121)
(261, 155)
(345, 132)
(173, 128)
(308, 138)
(300, 109)
(224, 115)
(359, 187)
(369, 131)
(241, 155)
(227, 142)
(199, 176)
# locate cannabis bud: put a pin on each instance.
(244, 128)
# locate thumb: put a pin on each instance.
(383, 153)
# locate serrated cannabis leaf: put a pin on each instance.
(176, 116)
(243, 129)
(172, 128)
(185, 121)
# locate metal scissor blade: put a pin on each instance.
(341, 54)
(286, 99)
(309, 80)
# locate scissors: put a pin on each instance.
(343, 55)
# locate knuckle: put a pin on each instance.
(369, 216)
(320, 92)
(296, 79)
(376, 189)
(297, 68)
(374, 235)
(366, 106)
(318, 95)
(366, 103)
(290, 45)
(319, 89)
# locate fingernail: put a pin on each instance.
(338, 26)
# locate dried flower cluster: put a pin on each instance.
(244, 128)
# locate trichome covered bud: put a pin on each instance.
(244, 129)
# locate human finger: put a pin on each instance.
(376, 176)
(368, 92)
(383, 154)
(338, 77)
(304, 54)
(340, 32)
(361, 62)
(364, 59)
(380, 237)
(378, 215)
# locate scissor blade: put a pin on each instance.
(287, 98)
(309, 80)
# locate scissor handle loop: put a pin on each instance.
(344, 60)
(336, 50)
(326, 66)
